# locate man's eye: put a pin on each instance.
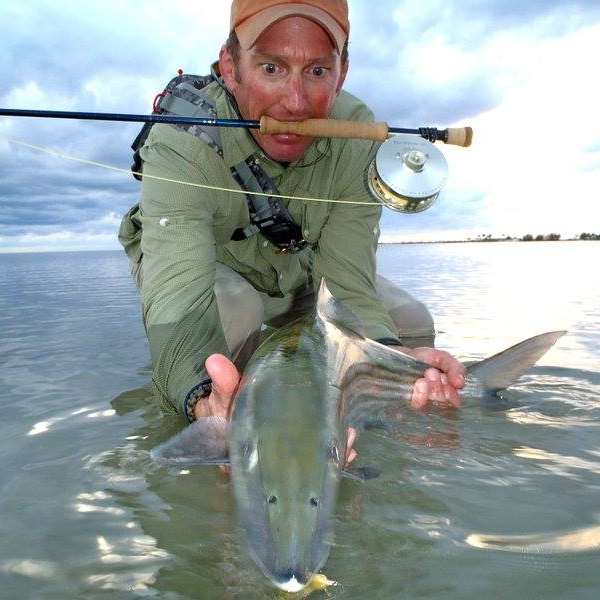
(270, 68)
(319, 71)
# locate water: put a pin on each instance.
(85, 513)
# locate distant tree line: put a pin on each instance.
(554, 237)
(550, 237)
(528, 237)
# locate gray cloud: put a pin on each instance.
(59, 55)
(62, 56)
(389, 35)
(41, 190)
(449, 212)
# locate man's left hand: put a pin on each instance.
(440, 383)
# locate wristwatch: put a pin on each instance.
(197, 393)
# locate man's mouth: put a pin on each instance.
(287, 138)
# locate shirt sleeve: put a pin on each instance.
(178, 269)
(346, 251)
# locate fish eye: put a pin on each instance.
(272, 500)
(314, 502)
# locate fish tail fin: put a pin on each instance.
(499, 371)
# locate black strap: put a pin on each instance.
(268, 214)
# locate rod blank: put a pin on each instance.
(331, 128)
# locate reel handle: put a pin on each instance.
(327, 128)
(336, 128)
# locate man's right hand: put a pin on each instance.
(225, 380)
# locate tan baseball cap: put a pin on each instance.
(250, 18)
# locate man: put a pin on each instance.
(207, 295)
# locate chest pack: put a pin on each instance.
(269, 216)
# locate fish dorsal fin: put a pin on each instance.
(334, 311)
(499, 371)
(204, 442)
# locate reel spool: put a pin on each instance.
(408, 174)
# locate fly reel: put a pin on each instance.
(408, 174)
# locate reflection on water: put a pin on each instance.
(558, 463)
(506, 292)
(87, 514)
(581, 540)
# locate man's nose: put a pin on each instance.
(295, 98)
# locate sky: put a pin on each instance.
(522, 74)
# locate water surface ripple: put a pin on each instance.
(498, 500)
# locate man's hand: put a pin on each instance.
(439, 384)
(225, 380)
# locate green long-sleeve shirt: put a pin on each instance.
(185, 230)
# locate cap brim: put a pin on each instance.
(250, 30)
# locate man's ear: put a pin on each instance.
(227, 69)
(343, 73)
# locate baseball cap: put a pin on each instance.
(250, 18)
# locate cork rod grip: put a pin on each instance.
(327, 128)
(460, 136)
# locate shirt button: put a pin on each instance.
(306, 232)
(265, 243)
(163, 222)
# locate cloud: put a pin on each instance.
(96, 234)
(57, 56)
(442, 61)
(517, 72)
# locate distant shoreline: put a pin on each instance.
(475, 241)
(485, 241)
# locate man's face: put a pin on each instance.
(292, 73)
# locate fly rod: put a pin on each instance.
(327, 128)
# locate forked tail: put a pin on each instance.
(501, 370)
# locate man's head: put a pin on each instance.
(286, 60)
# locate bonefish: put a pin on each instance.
(287, 438)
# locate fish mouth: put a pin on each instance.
(291, 582)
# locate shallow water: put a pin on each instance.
(84, 511)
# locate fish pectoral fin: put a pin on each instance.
(501, 370)
(204, 442)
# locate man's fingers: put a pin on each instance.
(432, 375)
(352, 432)
(456, 377)
(420, 394)
(443, 361)
(351, 453)
(350, 456)
(435, 392)
(225, 380)
(453, 397)
(225, 376)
